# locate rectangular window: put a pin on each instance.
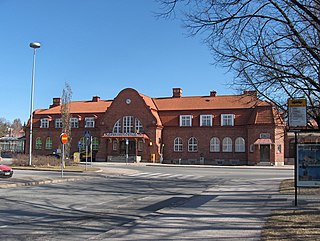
(205, 120)
(128, 124)
(115, 145)
(227, 120)
(185, 120)
(74, 122)
(44, 123)
(279, 148)
(140, 145)
(58, 123)
(89, 122)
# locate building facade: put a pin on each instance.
(212, 129)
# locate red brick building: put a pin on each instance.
(212, 129)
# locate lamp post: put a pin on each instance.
(34, 45)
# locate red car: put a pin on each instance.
(6, 171)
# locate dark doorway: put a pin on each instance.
(131, 147)
(265, 153)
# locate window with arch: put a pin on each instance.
(83, 144)
(214, 144)
(95, 143)
(192, 144)
(38, 143)
(227, 144)
(240, 145)
(48, 143)
(128, 124)
(177, 145)
(117, 127)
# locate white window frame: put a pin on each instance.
(206, 120)
(185, 120)
(127, 126)
(138, 126)
(117, 127)
(240, 145)
(89, 122)
(140, 145)
(215, 144)
(178, 144)
(58, 123)
(48, 143)
(44, 123)
(227, 119)
(192, 144)
(74, 122)
(227, 144)
(95, 143)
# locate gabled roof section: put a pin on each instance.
(209, 102)
(79, 107)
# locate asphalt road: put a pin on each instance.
(145, 203)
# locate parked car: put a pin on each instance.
(5, 171)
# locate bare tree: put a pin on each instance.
(16, 127)
(65, 115)
(271, 45)
(4, 126)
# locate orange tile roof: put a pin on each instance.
(209, 102)
(79, 107)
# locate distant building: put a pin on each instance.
(212, 129)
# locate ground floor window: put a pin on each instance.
(177, 146)
(38, 143)
(227, 144)
(48, 143)
(193, 144)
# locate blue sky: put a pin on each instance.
(99, 47)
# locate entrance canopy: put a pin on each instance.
(125, 135)
(262, 141)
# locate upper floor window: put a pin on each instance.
(227, 120)
(177, 144)
(74, 122)
(205, 120)
(89, 122)
(44, 123)
(214, 144)
(58, 123)
(38, 143)
(193, 144)
(138, 126)
(185, 120)
(48, 143)
(227, 144)
(239, 145)
(117, 127)
(128, 124)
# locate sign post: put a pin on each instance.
(87, 140)
(64, 140)
(297, 109)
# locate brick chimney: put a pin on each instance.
(176, 92)
(55, 102)
(250, 92)
(213, 93)
(95, 99)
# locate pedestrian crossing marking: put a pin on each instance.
(158, 175)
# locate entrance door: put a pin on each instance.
(265, 153)
(131, 148)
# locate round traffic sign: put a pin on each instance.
(64, 138)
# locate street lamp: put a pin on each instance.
(34, 45)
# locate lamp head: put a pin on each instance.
(35, 45)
